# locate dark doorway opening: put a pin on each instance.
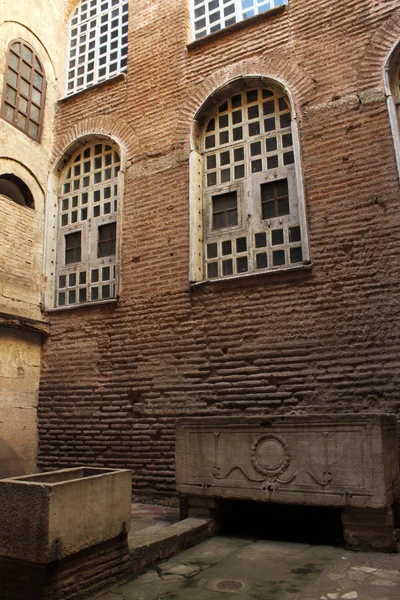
(283, 522)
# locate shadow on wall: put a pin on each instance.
(10, 464)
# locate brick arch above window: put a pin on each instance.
(82, 131)
(97, 42)
(24, 89)
(271, 67)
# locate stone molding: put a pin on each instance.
(24, 324)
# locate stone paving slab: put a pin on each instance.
(229, 568)
(146, 516)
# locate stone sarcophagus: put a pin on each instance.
(63, 534)
(349, 461)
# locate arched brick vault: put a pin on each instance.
(120, 131)
(271, 66)
(374, 58)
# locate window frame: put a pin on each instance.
(391, 79)
(85, 28)
(19, 94)
(90, 225)
(249, 200)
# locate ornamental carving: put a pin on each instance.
(270, 455)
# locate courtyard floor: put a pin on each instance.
(246, 568)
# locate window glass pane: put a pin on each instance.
(26, 71)
(224, 208)
(23, 105)
(11, 95)
(212, 250)
(24, 87)
(27, 54)
(38, 81)
(8, 113)
(33, 130)
(12, 78)
(21, 121)
(14, 61)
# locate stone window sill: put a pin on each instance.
(84, 305)
(304, 267)
(119, 77)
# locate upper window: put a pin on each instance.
(87, 226)
(98, 43)
(253, 220)
(24, 89)
(212, 15)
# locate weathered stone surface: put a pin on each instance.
(50, 516)
(332, 460)
(366, 529)
(22, 230)
(148, 547)
(19, 381)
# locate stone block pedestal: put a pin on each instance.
(348, 461)
(369, 529)
(63, 534)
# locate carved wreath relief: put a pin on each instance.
(270, 456)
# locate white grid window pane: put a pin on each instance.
(98, 43)
(209, 16)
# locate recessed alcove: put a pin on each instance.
(280, 522)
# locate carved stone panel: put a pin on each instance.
(332, 460)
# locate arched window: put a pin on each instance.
(98, 42)
(209, 16)
(253, 214)
(15, 189)
(24, 89)
(392, 88)
(87, 225)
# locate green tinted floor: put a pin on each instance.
(224, 568)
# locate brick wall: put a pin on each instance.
(81, 575)
(115, 378)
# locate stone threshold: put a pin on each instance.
(158, 543)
